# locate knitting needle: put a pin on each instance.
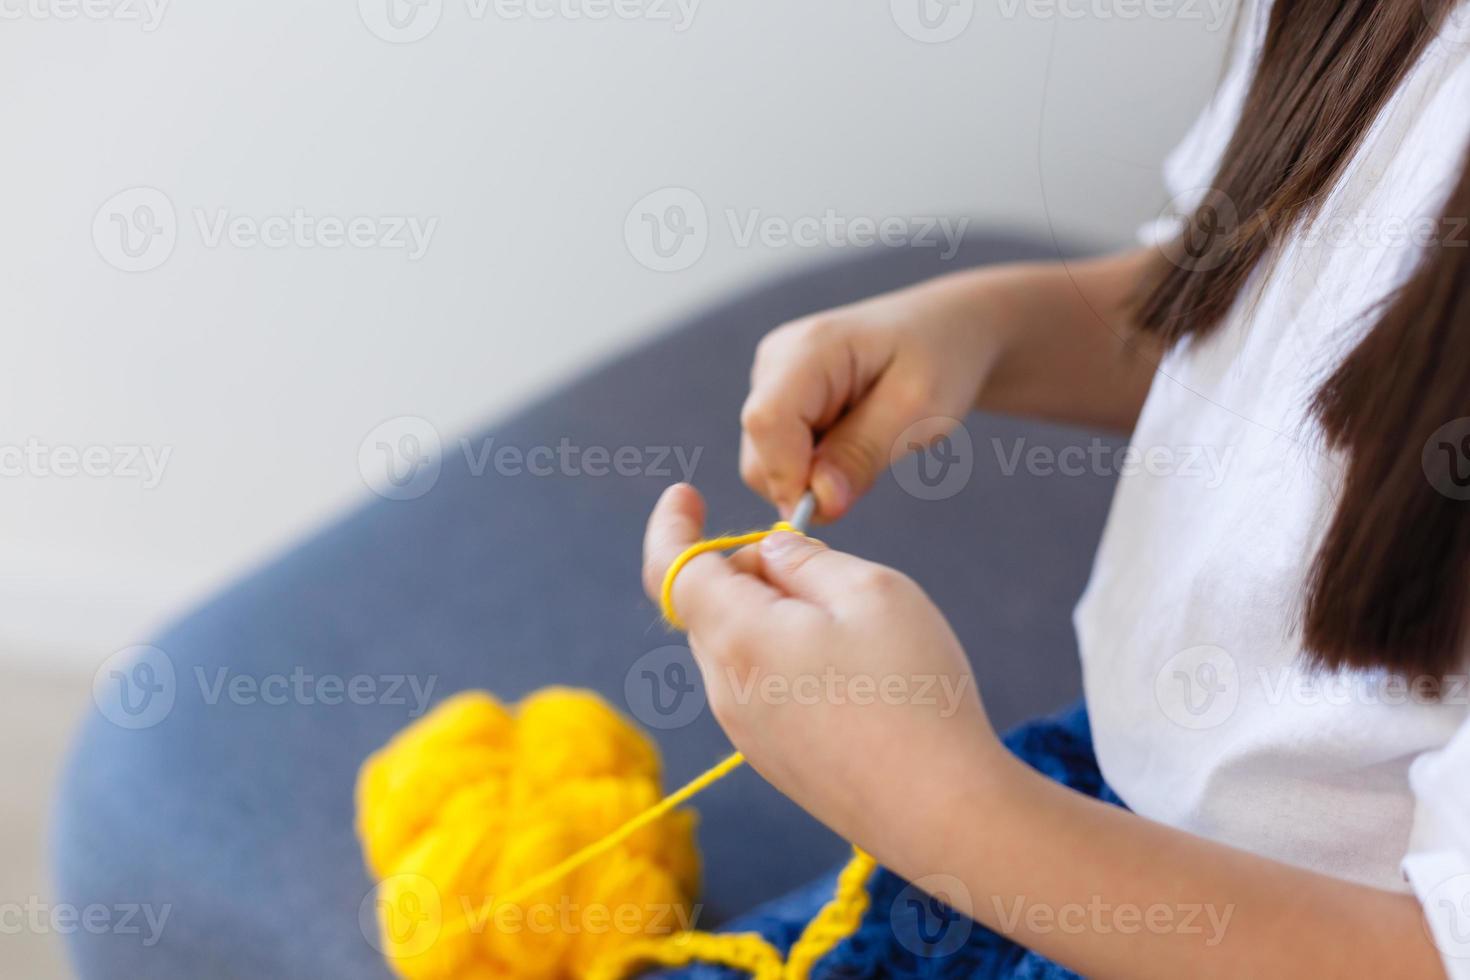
(806, 509)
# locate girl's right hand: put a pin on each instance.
(833, 393)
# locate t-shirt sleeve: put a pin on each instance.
(1190, 169)
(1438, 862)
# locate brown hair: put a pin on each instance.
(1390, 584)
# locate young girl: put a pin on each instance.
(1272, 776)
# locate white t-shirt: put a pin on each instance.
(1203, 714)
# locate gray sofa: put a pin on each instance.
(236, 815)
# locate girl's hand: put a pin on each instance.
(838, 678)
(832, 394)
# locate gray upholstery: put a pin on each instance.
(237, 817)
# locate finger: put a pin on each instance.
(805, 568)
(752, 473)
(677, 521)
(775, 427)
(708, 591)
(803, 375)
(858, 449)
(747, 560)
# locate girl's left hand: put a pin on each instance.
(838, 678)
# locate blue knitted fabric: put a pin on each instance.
(906, 933)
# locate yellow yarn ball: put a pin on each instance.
(473, 801)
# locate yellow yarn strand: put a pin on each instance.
(690, 789)
(598, 848)
(726, 543)
(750, 952)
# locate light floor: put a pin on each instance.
(37, 714)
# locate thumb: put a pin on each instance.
(806, 568)
(856, 451)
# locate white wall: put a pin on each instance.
(260, 370)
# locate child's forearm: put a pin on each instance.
(1070, 351)
(1111, 894)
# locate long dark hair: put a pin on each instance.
(1390, 584)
